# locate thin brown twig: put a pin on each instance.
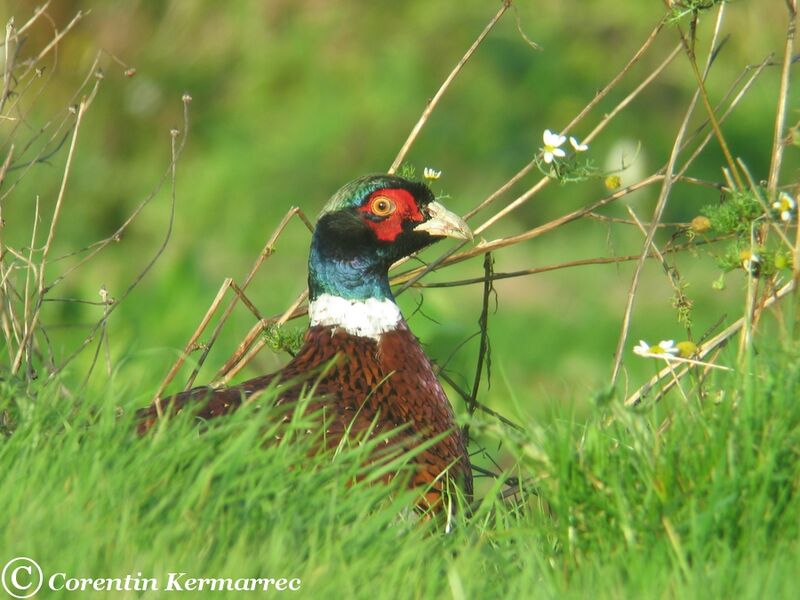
(267, 251)
(31, 269)
(666, 186)
(479, 405)
(411, 276)
(525, 197)
(247, 350)
(35, 17)
(778, 140)
(651, 38)
(758, 70)
(701, 88)
(54, 42)
(577, 119)
(483, 346)
(668, 269)
(96, 247)
(176, 150)
(8, 63)
(67, 112)
(51, 233)
(606, 219)
(756, 191)
(593, 134)
(443, 88)
(610, 260)
(483, 322)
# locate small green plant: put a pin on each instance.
(683, 8)
(742, 216)
(281, 338)
(735, 214)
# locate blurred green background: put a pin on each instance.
(291, 99)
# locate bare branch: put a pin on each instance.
(443, 88)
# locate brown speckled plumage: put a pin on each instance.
(390, 382)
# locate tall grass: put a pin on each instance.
(623, 505)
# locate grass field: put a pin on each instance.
(619, 506)
(147, 152)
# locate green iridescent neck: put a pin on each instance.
(358, 276)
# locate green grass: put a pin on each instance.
(707, 508)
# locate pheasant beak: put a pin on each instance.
(443, 223)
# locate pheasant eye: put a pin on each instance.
(381, 206)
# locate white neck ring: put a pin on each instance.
(363, 318)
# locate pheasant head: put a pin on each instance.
(366, 226)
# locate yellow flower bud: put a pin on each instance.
(700, 224)
(613, 182)
(686, 349)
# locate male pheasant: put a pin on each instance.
(369, 370)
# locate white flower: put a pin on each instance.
(663, 347)
(577, 145)
(786, 205)
(431, 174)
(551, 149)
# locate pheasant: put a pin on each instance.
(370, 373)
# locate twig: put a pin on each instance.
(483, 346)
(435, 100)
(176, 151)
(410, 277)
(701, 89)
(479, 405)
(664, 194)
(605, 218)
(669, 271)
(8, 63)
(756, 191)
(577, 119)
(266, 252)
(31, 268)
(594, 133)
(610, 260)
(51, 233)
(783, 95)
(54, 42)
(666, 186)
(191, 343)
(483, 322)
(613, 83)
(524, 198)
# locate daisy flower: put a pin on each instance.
(786, 206)
(431, 174)
(577, 146)
(552, 142)
(663, 347)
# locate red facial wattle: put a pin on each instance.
(388, 227)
